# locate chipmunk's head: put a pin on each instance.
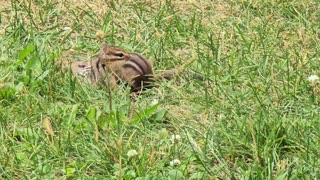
(111, 53)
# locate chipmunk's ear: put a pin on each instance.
(104, 44)
(104, 47)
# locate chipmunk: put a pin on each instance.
(114, 64)
(128, 67)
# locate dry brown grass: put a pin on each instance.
(72, 11)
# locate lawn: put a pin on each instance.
(255, 115)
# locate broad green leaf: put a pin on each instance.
(91, 114)
(175, 174)
(144, 114)
(111, 118)
(21, 156)
(103, 120)
(159, 116)
(19, 86)
(24, 53)
(70, 171)
(131, 174)
(32, 62)
(72, 116)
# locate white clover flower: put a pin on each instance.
(221, 116)
(313, 78)
(154, 102)
(175, 138)
(132, 153)
(175, 162)
(66, 28)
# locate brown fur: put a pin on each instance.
(131, 68)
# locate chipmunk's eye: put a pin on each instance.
(119, 54)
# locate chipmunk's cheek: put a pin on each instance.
(103, 56)
(128, 56)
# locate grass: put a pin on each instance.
(255, 116)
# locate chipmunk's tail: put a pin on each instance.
(171, 73)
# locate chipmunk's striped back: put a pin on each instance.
(129, 67)
(139, 70)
